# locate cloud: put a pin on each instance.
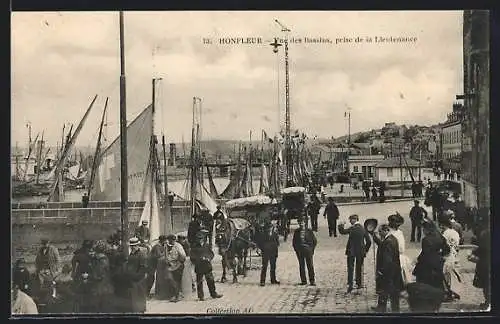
(57, 69)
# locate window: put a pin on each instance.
(389, 172)
(355, 168)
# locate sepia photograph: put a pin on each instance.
(217, 163)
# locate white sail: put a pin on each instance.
(73, 171)
(151, 213)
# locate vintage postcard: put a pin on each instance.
(215, 163)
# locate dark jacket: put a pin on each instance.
(136, 269)
(309, 243)
(157, 251)
(143, 233)
(460, 211)
(417, 214)
(22, 278)
(101, 276)
(202, 257)
(429, 267)
(359, 242)
(313, 207)
(80, 263)
(483, 271)
(331, 211)
(388, 278)
(193, 228)
(268, 241)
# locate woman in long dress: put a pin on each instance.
(395, 221)
(187, 276)
(453, 240)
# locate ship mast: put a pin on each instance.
(288, 150)
(123, 143)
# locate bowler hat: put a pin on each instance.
(162, 238)
(371, 224)
(145, 222)
(133, 241)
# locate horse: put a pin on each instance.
(234, 238)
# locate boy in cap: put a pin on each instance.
(202, 256)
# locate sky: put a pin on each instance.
(61, 60)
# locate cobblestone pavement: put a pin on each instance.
(329, 296)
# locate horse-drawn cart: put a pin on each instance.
(293, 203)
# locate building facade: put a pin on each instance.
(475, 126)
(451, 140)
(363, 165)
(397, 170)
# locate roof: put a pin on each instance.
(248, 201)
(376, 157)
(394, 162)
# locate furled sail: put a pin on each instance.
(243, 188)
(264, 185)
(139, 133)
(213, 189)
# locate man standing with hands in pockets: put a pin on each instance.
(358, 244)
(304, 243)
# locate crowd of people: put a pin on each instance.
(101, 279)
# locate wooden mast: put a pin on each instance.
(97, 150)
(193, 162)
(123, 144)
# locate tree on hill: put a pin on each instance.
(362, 138)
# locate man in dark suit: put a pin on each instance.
(358, 244)
(194, 227)
(331, 213)
(268, 242)
(313, 211)
(202, 256)
(304, 242)
(142, 232)
(417, 215)
(388, 280)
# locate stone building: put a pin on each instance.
(475, 126)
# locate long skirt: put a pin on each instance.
(162, 290)
(406, 272)
(187, 280)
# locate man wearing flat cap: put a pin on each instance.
(358, 244)
(202, 256)
(175, 257)
(417, 215)
(142, 232)
(136, 272)
(157, 251)
(304, 243)
(47, 263)
(81, 261)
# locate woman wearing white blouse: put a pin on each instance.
(453, 240)
(395, 221)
